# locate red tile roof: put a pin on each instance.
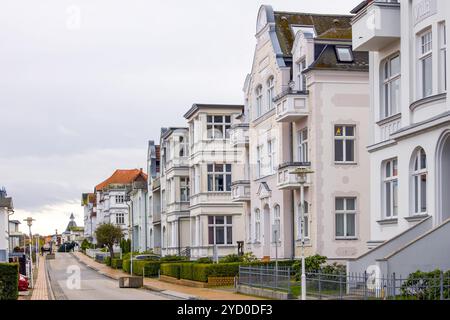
(122, 177)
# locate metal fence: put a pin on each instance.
(272, 278)
(365, 286)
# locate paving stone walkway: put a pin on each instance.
(40, 291)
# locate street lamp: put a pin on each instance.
(302, 174)
(29, 222)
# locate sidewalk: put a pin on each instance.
(40, 290)
(164, 287)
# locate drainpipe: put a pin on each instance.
(291, 143)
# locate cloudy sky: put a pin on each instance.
(85, 84)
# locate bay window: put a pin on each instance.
(218, 127)
(220, 230)
(302, 145)
(184, 189)
(219, 177)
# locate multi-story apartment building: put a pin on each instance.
(409, 133)
(138, 205)
(14, 234)
(216, 222)
(111, 196)
(154, 197)
(6, 207)
(89, 205)
(307, 106)
(174, 191)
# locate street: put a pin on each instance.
(71, 280)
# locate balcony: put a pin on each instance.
(291, 106)
(239, 136)
(207, 198)
(287, 180)
(240, 191)
(376, 25)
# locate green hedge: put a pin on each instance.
(199, 271)
(116, 263)
(9, 281)
(150, 268)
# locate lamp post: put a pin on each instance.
(29, 222)
(302, 174)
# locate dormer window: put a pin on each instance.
(344, 54)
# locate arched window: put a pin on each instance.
(419, 181)
(390, 189)
(257, 225)
(270, 92)
(305, 223)
(259, 97)
(277, 222)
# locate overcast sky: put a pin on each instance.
(85, 84)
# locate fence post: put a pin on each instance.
(365, 285)
(320, 287)
(441, 285)
(394, 286)
(276, 278)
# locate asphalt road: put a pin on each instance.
(72, 280)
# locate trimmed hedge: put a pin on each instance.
(9, 281)
(116, 263)
(150, 268)
(107, 261)
(198, 271)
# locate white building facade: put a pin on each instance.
(306, 106)
(410, 126)
(89, 204)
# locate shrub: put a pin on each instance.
(425, 285)
(173, 259)
(201, 272)
(9, 281)
(171, 270)
(152, 268)
(204, 260)
(186, 271)
(231, 258)
(116, 263)
(107, 261)
(127, 256)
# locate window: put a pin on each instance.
(184, 189)
(419, 178)
(220, 229)
(390, 189)
(120, 199)
(426, 64)
(184, 147)
(301, 77)
(344, 144)
(305, 223)
(218, 127)
(344, 54)
(270, 93)
(219, 177)
(443, 57)
(259, 98)
(272, 154)
(197, 179)
(258, 161)
(345, 218)
(120, 218)
(277, 222)
(302, 141)
(391, 87)
(257, 225)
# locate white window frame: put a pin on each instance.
(425, 52)
(345, 138)
(418, 173)
(120, 199)
(390, 180)
(224, 124)
(443, 57)
(339, 54)
(301, 77)
(301, 223)
(120, 218)
(272, 155)
(258, 161)
(302, 145)
(388, 81)
(257, 225)
(346, 212)
(259, 102)
(184, 189)
(225, 225)
(184, 146)
(270, 93)
(225, 173)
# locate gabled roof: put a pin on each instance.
(197, 106)
(122, 177)
(321, 22)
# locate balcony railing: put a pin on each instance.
(291, 106)
(376, 25)
(287, 180)
(210, 197)
(240, 191)
(239, 135)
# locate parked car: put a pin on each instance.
(23, 283)
(147, 257)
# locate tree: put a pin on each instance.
(107, 235)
